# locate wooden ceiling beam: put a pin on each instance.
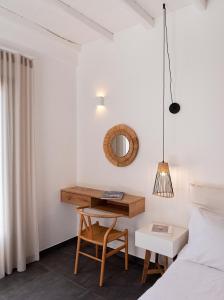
(84, 19)
(141, 12)
(17, 18)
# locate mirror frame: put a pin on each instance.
(130, 134)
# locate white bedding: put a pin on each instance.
(185, 280)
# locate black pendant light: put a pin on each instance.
(163, 185)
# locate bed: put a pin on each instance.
(186, 280)
(198, 272)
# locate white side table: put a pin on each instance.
(167, 245)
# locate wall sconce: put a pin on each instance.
(100, 101)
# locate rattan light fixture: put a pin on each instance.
(163, 185)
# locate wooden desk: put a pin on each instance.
(129, 206)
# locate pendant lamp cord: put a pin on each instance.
(165, 50)
(168, 55)
(164, 41)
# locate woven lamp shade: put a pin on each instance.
(163, 184)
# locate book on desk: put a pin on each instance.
(112, 195)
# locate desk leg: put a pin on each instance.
(146, 265)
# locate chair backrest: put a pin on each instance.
(86, 220)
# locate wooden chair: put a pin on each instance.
(100, 236)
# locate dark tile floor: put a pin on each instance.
(52, 278)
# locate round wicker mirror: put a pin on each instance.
(120, 145)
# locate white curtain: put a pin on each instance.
(18, 219)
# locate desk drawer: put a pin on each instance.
(75, 199)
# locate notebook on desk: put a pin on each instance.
(112, 195)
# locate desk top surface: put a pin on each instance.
(94, 193)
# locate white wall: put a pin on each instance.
(129, 70)
(55, 87)
(56, 148)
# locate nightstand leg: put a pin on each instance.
(165, 263)
(158, 266)
(146, 265)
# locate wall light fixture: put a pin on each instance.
(100, 101)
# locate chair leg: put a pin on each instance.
(103, 265)
(97, 246)
(126, 251)
(97, 250)
(77, 256)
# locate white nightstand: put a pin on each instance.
(167, 245)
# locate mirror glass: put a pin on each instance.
(120, 145)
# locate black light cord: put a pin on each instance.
(168, 55)
(164, 77)
(174, 107)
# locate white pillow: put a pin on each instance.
(206, 239)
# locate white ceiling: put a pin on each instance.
(91, 20)
(155, 6)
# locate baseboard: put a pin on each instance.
(58, 246)
(132, 258)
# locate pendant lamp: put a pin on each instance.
(163, 185)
